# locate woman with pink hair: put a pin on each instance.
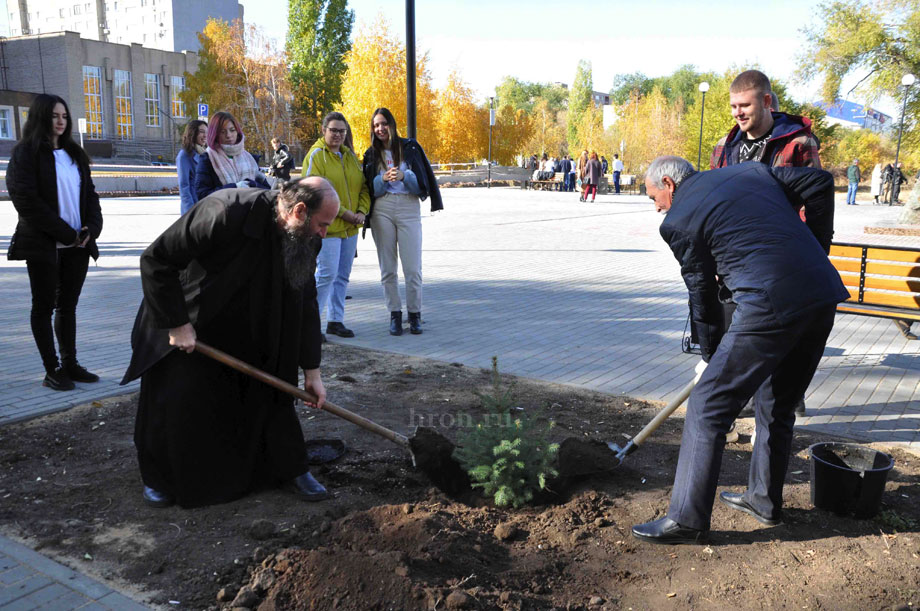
(226, 164)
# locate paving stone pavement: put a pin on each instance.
(580, 294)
(29, 581)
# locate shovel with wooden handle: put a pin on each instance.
(651, 427)
(430, 451)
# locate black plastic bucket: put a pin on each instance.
(847, 478)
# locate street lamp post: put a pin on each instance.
(410, 69)
(704, 87)
(491, 123)
(907, 80)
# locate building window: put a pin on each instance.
(23, 117)
(7, 131)
(124, 117)
(76, 9)
(152, 99)
(178, 106)
(92, 100)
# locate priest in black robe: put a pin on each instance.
(236, 271)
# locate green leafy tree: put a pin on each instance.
(625, 84)
(523, 95)
(580, 98)
(317, 41)
(879, 37)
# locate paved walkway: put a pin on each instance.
(28, 581)
(581, 294)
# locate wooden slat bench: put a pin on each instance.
(883, 281)
(544, 185)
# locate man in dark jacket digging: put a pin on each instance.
(236, 271)
(741, 224)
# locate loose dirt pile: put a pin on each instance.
(69, 487)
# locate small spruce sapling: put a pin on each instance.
(508, 456)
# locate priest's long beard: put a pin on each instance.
(298, 255)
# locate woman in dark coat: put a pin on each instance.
(398, 177)
(226, 164)
(592, 177)
(49, 181)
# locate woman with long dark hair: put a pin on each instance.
(194, 143)
(59, 220)
(332, 159)
(398, 177)
(226, 164)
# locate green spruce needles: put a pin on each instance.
(507, 454)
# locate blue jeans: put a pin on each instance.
(616, 182)
(851, 193)
(333, 268)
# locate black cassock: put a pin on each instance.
(205, 433)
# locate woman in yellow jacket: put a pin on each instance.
(330, 158)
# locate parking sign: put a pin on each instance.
(203, 111)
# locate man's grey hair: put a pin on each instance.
(675, 168)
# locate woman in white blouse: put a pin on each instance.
(59, 220)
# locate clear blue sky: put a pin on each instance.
(542, 40)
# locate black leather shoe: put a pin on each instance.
(735, 500)
(396, 323)
(668, 532)
(78, 373)
(58, 380)
(337, 328)
(307, 488)
(155, 498)
(415, 323)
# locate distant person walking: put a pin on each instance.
(49, 181)
(399, 178)
(194, 143)
(226, 164)
(897, 179)
(875, 187)
(604, 164)
(282, 161)
(853, 178)
(887, 174)
(593, 171)
(617, 170)
(330, 158)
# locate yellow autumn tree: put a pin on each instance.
(513, 130)
(459, 124)
(376, 76)
(648, 126)
(241, 71)
(590, 130)
(548, 134)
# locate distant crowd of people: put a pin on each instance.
(583, 174)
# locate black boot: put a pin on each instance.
(78, 373)
(396, 323)
(337, 328)
(58, 380)
(415, 323)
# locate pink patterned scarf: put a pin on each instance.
(232, 163)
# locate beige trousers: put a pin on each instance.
(397, 229)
